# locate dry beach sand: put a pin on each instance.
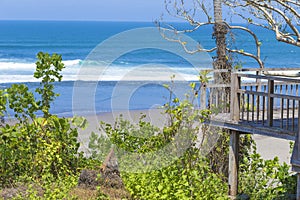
(268, 147)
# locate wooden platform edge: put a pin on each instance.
(248, 129)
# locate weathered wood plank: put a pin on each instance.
(254, 129)
(233, 163)
(235, 98)
(270, 103)
(282, 79)
(298, 187)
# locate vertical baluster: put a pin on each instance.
(257, 89)
(292, 109)
(222, 90)
(270, 102)
(281, 106)
(263, 110)
(293, 120)
(281, 112)
(248, 106)
(252, 106)
(243, 105)
(257, 108)
(287, 113)
(264, 106)
(297, 94)
(287, 105)
(276, 104)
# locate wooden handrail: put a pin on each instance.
(257, 102)
(274, 78)
(264, 94)
(267, 69)
(268, 101)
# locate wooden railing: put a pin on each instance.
(266, 101)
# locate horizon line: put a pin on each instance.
(84, 20)
(98, 20)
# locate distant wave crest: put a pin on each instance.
(15, 71)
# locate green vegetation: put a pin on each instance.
(40, 159)
(265, 179)
(40, 152)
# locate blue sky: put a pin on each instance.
(100, 10)
(104, 10)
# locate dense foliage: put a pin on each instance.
(147, 177)
(187, 168)
(265, 179)
(40, 150)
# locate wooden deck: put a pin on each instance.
(254, 127)
(257, 104)
(265, 105)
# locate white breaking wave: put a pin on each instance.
(14, 66)
(14, 72)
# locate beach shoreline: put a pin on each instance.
(267, 147)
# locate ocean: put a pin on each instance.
(119, 65)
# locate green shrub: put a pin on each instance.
(184, 179)
(163, 163)
(265, 179)
(32, 147)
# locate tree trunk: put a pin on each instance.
(218, 11)
(222, 95)
(220, 31)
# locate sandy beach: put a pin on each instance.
(154, 116)
(268, 147)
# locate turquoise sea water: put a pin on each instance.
(144, 69)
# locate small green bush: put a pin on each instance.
(33, 147)
(265, 179)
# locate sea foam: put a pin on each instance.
(16, 72)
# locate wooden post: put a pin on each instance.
(258, 81)
(298, 187)
(235, 97)
(270, 102)
(234, 137)
(203, 98)
(298, 154)
(298, 135)
(233, 163)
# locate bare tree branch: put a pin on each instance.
(290, 8)
(183, 43)
(282, 16)
(257, 43)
